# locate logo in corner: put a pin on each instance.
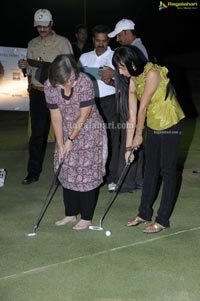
(162, 5)
(178, 5)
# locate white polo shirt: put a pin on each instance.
(90, 59)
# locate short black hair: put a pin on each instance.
(100, 29)
(80, 26)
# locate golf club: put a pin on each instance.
(48, 198)
(114, 194)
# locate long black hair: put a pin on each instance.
(135, 61)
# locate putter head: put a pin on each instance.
(31, 234)
(95, 228)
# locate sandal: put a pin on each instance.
(154, 228)
(136, 221)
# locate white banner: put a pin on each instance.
(13, 84)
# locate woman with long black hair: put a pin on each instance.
(139, 79)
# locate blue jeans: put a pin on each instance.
(161, 153)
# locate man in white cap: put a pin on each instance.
(125, 35)
(41, 51)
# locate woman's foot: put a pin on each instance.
(136, 221)
(154, 228)
(82, 224)
(66, 220)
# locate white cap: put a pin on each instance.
(42, 17)
(124, 24)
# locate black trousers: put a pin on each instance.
(161, 153)
(40, 124)
(79, 202)
(108, 109)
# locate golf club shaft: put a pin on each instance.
(44, 208)
(117, 187)
(48, 200)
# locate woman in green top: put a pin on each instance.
(138, 79)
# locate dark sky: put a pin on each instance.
(163, 32)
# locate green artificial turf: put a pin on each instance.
(60, 264)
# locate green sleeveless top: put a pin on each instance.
(161, 113)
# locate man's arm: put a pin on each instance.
(107, 76)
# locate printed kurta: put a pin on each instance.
(84, 167)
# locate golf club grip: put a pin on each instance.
(59, 168)
(131, 153)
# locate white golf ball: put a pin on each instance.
(108, 233)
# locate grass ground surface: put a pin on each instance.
(61, 264)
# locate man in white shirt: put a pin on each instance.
(126, 35)
(101, 57)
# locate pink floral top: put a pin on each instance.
(84, 167)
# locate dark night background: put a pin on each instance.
(171, 35)
(170, 31)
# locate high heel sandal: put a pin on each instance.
(136, 221)
(154, 228)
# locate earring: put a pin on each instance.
(133, 66)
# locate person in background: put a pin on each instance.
(125, 34)
(139, 79)
(81, 45)
(41, 51)
(81, 139)
(101, 57)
